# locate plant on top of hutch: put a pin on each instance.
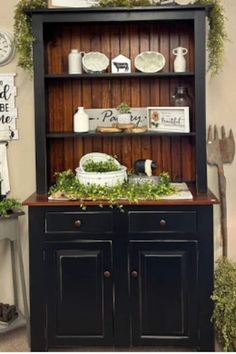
(216, 37)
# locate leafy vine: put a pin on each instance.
(68, 186)
(224, 297)
(23, 37)
(216, 38)
(217, 35)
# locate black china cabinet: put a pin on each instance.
(100, 276)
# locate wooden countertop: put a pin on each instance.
(198, 199)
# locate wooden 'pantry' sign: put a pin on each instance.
(8, 111)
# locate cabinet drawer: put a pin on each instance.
(155, 221)
(76, 222)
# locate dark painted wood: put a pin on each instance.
(79, 294)
(121, 75)
(150, 222)
(102, 277)
(163, 278)
(38, 304)
(200, 103)
(40, 106)
(168, 303)
(78, 222)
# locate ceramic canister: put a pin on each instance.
(81, 121)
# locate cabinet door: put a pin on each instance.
(79, 293)
(163, 285)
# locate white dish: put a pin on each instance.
(96, 157)
(108, 179)
(95, 62)
(149, 62)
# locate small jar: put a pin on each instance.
(75, 62)
(81, 121)
(181, 97)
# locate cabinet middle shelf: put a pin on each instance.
(93, 133)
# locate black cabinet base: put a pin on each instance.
(133, 283)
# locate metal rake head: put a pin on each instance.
(220, 151)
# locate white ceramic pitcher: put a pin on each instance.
(180, 61)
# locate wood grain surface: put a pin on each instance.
(173, 154)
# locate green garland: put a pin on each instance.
(215, 43)
(217, 32)
(67, 185)
(23, 32)
(217, 35)
(224, 297)
(9, 205)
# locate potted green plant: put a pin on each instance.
(9, 206)
(124, 115)
(224, 297)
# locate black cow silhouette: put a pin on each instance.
(121, 66)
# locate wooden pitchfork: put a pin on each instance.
(219, 152)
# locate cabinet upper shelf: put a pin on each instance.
(93, 9)
(117, 76)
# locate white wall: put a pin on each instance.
(221, 110)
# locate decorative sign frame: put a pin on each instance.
(120, 65)
(168, 119)
(71, 3)
(106, 117)
(8, 111)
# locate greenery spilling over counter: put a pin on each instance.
(68, 186)
(224, 297)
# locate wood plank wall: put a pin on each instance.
(173, 154)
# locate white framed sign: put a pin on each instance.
(71, 3)
(8, 111)
(106, 117)
(120, 65)
(168, 119)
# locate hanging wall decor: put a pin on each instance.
(8, 111)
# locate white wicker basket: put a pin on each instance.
(108, 179)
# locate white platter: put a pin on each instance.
(95, 62)
(149, 62)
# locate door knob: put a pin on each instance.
(77, 223)
(134, 274)
(107, 274)
(163, 222)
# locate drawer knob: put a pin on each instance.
(77, 223)
(162, 222)
(107, 274)
(134, 274)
